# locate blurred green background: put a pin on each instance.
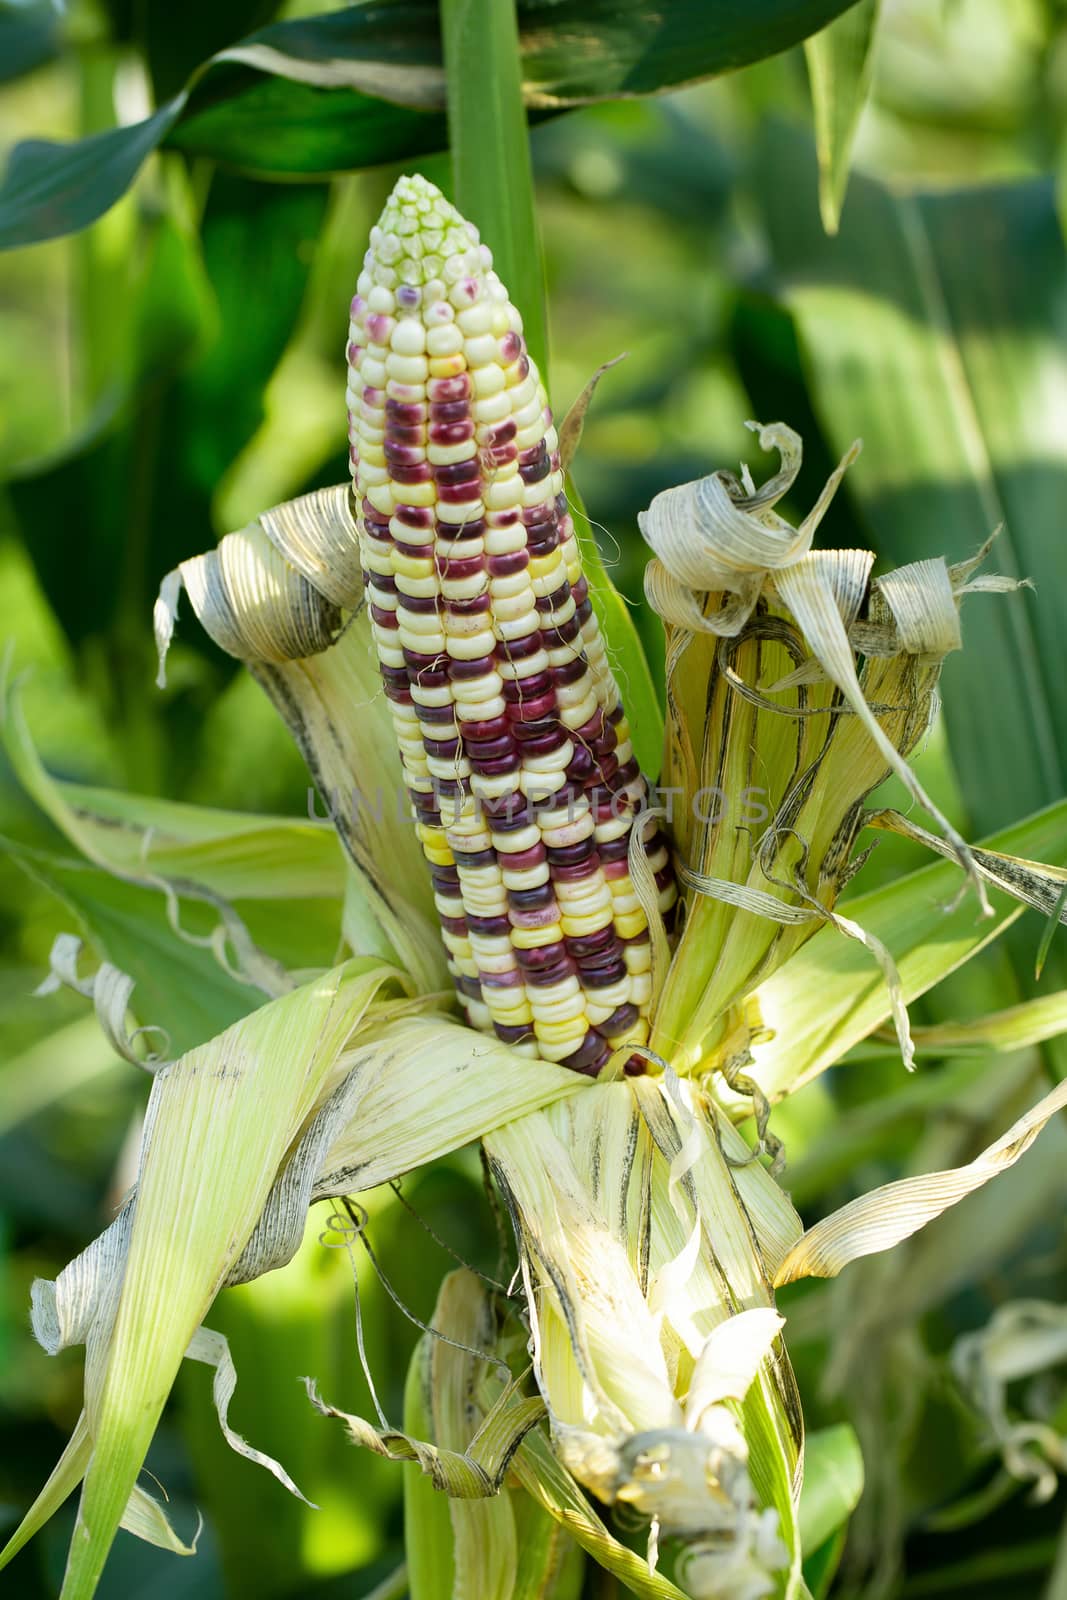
(177, 367)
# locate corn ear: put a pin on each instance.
(516, 752)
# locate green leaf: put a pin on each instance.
(51, 188)
(626, 652)
(830, 995)
(491, 151)
(833, 1483)
(839, 66)
(935, 328)
(29, 36)
(364, 85)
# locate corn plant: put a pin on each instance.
(609, 989)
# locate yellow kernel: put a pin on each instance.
(630, 924)
(413, 494)
(574, 927)
(535, 938)
(570, 1033)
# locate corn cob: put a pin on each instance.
(516, 752)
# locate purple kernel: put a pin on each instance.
(460, 566)
(534, 708)
(417, 472)
(418, 604)
(590, 1056)
(471, 669)
(451, 432)
(576, 871)
(519, 649)
(398, 454)
(583, 945)
(506, 566)
(496, 769)
(464, 472)
(456, 494)
(474, 606)
(501, 980)
(457, 388)
(531, 899)
(415, 516)
(436, 716)
(474, 858)
(545, 743)
(477, 735)
(569, 855)
(510, 1033)
(621, 1021)
(541, 917)
(404, 412)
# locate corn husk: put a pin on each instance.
(241, 1135)
(794, 688)
(284, 596)
(653, 1331)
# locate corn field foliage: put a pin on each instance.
(531, 903)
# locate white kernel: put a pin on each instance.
(462, 511)
(503, 493)
(519, 627)
(492, 408)
(473, 319)
(478, 644)
(444, 340)
(460, 627)
(378, 299)
(505, 541)
(446, 455)
(477, 691)
(449, 767)
(526, 668)
(463, 588)
(407, 369)
(515, 583)
(566, 1009)
(481, 349)
(526, 877)
(488, 380)
(509, 607)
(408, 338)
(482, 711)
